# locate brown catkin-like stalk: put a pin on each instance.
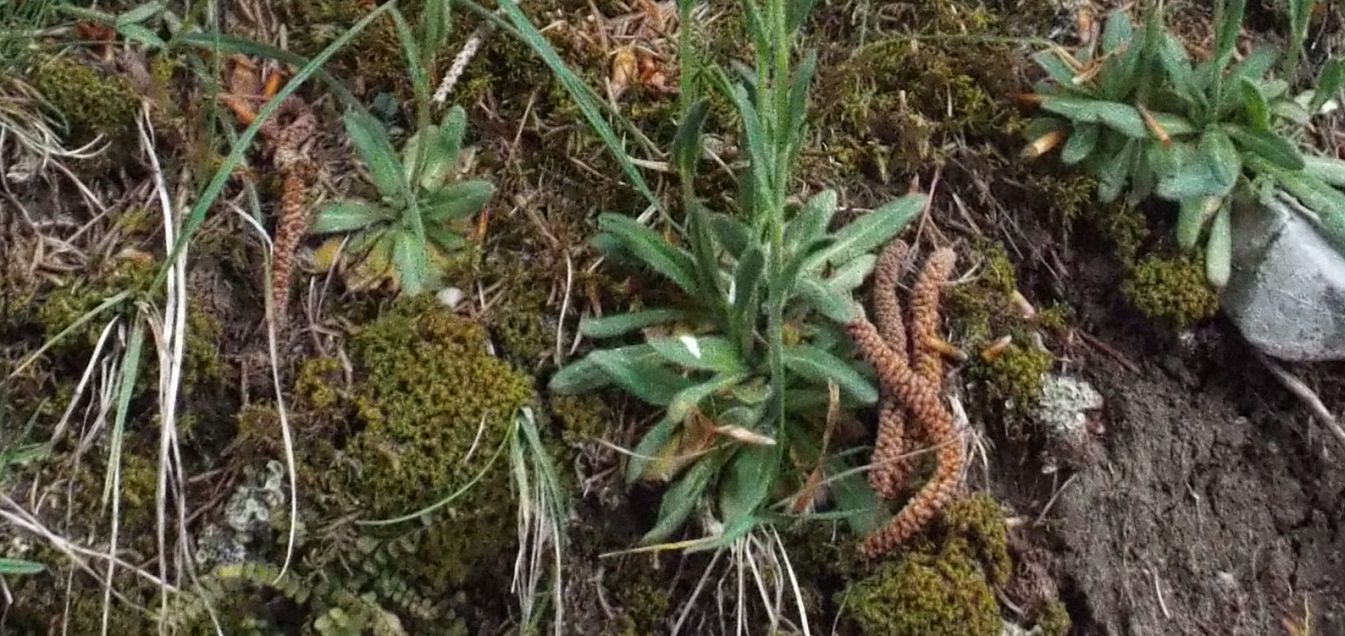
(886, 308)
(925, 314)
(296, 171)
(925, 406)
(890, 465)
(911, 412)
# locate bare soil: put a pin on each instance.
(1216, 504)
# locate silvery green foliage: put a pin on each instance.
(1142, 117)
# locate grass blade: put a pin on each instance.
(226, 168)
(582, 96)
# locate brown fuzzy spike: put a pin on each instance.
(911, 410)
(886, 308)
(925, 406)
(890, 464)
(926, 349)
(293, 216)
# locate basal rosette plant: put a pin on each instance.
(747, 365)
(407, 236)
(1139, 112)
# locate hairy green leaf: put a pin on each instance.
(585, 375)
(869, 231)
(1329, 83)
(411, 261)
(820, 367)
(18, 567)
(348, 215)
(1191, 220)
(811, 221)
(373, 148)
(1328, 169)
(649, 247)
(457, 201)
(691, 397)
(1056, 67)
(647, 450)
(640, 376)
(681, 499)
(1122, 118)
(1080, 144)
(746, 482)
(621, 324)
(686, 143)
(851, 275)
(1255, 105)
(1222, 156)
(1117, 32)
(1266, 144)
(703, 353)
(834, 305)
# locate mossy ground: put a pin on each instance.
(395, 406)
(942, 587)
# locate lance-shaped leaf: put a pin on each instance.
(811, 221)
(649, 247)
(1267, 145)
(349, 215)
(867, 232)
(746, 482)
(621, 324)
(585, 375)
(457, 201)
(1122, 118)
(686, 144)
(680, 500)
(1329, 83)
(690, 398)
(373, 148)
(702, 353)
(648, 380)
(822, 367)
(1080, 144)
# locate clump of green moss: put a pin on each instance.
(1071, 196)
(644, 605)
(1172, 291)
(985, 310)
(203, 365)
(1053, 619)
(1127, 229)
(317, 381)
(520, 328)
(93, 103)
(374, 58)
(983, 307)
(63, 306)
(1056, 318)
(979, 520)
(921, 594)
(868, 98)
(435, 406)
(582, 417)
(943, 584)
(1015, 374)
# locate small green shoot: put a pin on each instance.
(409, 235)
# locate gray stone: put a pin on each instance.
(1287, 289)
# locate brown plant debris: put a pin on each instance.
(911, 411)
(284, 134)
